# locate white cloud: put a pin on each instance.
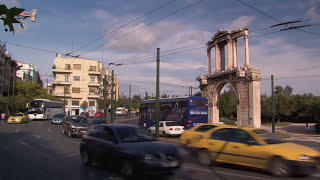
(313, 12)
(240, 22)
(192, 36)
(10, 3)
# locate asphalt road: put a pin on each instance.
(38, 150)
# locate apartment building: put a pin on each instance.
(77, 80)
(28, 72)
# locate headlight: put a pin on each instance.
(72, 126)
(305, 157)
(150, 158)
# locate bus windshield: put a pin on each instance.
(35, 106)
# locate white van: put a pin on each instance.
(121, 111)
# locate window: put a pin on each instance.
(240, 136)
(107, 134)
(77, 66)
(75, 90)
(221, 134)
(93, 68)
(67, 67)
(75, 103)
(76, 78)
(67, 90)
(92, 103)
(66, 78)
(92, 90)
(161, 124)
(92, 79)
(204, 128)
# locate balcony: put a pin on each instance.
(61, 83)
(62, 94)
(94, 84)
(65, 70)
(94, 72)
(94, 95)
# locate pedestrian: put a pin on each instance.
(3, 117)
(306, 128)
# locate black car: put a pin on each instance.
(75, 126)
(317, 127)
(129, 148)
(97, 120)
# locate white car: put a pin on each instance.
(167, 128)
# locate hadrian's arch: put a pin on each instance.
(244, 80)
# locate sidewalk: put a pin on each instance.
(297, 132)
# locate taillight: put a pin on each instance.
(188, 124)
(182, 128)
(171, 129)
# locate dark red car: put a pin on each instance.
(99, 114)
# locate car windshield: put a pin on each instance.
(268, 137)
(134, 134)
(18, 114)
(79, 119)
(172, 124)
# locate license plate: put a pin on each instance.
(170, 164)
(177, 129)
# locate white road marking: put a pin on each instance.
(72, 141)
(17, 130)
(315, 175)
(25, 144)
(36, 136)
(49, 130)
(225, 173)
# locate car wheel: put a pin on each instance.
(164, 134)
(204, 157)
(85, 157)
(127, 168)
(279, 167)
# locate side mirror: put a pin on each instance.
(251, 143)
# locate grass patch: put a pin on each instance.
(278, 124)
(283, 135)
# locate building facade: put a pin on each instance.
(28, 72)
(77, 80)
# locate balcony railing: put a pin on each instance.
(62, 94)
(94, 84)
(93, 95)
(61, 83)
(95, 71)
(64, 70)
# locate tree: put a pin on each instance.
(266, 108)
(228, 104)
(10, 17)
(278, 89)
(288, 90)
(84, 105)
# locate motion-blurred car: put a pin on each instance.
(317, 127)
(75, 126)
(167, 128)
(255, 148)
(97, 120)
(121, 111)
(128, 148)
(187, 135)
(18, 118)
(57, 119)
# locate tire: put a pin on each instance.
(164, 134)
(279, 167)
(85, 157)
(204, 157)
(127, 168)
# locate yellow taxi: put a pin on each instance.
(255, 148)
(187, 136)
(18, 118)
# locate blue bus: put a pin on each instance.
(186, 111)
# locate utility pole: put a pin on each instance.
(190, 90)
(47, 88)
(64, 99)
(272, 93)
(158, 93)
(129, 101)
(112, 114)
(146, 95)
(105, 98)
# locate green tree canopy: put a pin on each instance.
(84, 105)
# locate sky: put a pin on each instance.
(128, 32)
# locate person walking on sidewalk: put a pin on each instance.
(306, 128)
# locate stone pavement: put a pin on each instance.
(297, 132)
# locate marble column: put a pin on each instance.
(230, 54)
(218, 59)
(222, 57)
(235, 51)
(209, 60)
(246, 48)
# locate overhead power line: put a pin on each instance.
(275, 18)
(175, 12)
(122, 26)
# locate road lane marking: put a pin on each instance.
(224, 173)
(36, 136)
(49, 130)
(25, 144)
(72, 141)
(18, 129)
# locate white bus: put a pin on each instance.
(44, 109)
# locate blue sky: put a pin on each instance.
(60, 24)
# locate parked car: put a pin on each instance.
(18, 118)
(167, 128)
(121, 111)
(317, 127)
(255, 148)
(132, 149)
(187, 135)
(75, 126)
(99, 114)
(57, 119)
(84, 114)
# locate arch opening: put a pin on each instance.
(227, 102)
